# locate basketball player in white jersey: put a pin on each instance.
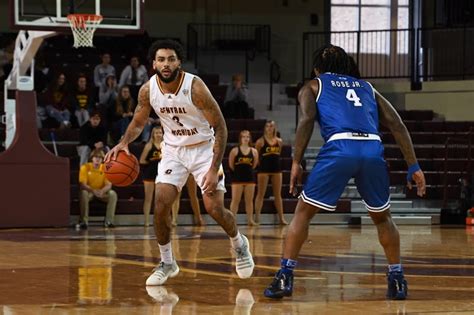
(194, 142)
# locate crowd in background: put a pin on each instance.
(101, 105)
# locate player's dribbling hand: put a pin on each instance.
(209, 182)
(419, 179)
(295, 178)
(112, 154)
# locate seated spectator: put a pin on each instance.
(124, 107)
(107, 95)
(103, 70)
(82, 101)
(56, 99)
(93, 184)
(134, 75)
(6, 60)
(92, 136)
(235, 103)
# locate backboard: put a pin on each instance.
(119, 16)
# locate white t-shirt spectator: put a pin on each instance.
(101, 72)
(127, 77)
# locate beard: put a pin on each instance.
(171, 78)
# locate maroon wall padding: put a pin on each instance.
(34, 184)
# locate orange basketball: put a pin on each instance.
(122, 171)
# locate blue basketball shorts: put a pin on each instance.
(339, 161)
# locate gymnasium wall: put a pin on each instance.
(454, 100)
(451, 100)
(287, 23)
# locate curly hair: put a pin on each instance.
(166, 44)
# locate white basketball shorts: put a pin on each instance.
(178, 162)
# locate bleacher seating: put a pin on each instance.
(429, 137)
(428, 133)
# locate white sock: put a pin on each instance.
(237, 241)
(166, 253)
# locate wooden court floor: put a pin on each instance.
(341, 270)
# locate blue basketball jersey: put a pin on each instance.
(346, 104)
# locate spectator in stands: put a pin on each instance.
(103, 70)
(93, 184)
(235, 103)
(191, 187)
(108, 93)
(243, 159)
(124, 107)
(82, 101)
(134, 75)
(92, 136)
(56, 99)
(6, 60)
(42, 75)
(149, 159)
(269, 148)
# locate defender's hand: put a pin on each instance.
(419, 179)
(295, 178)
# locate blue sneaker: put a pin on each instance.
(397, 286)
(282, 285)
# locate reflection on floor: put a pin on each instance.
(341, 270)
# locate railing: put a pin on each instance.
(455, 147)
(242, 37)
(418, 54)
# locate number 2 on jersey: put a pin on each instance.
(176, 120)
(352, 96)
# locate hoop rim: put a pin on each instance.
(85, 15)
(81, 19)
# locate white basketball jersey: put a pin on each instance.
(183, 123)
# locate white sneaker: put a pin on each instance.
(243, 260)
(162, 272)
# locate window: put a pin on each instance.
(370, 15)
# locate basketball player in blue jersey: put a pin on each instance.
(348, 111)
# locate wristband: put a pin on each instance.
(411, 170)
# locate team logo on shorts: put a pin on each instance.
(168, 171)
(185, 92)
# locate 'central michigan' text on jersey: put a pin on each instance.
(346, 104)
(183, 123)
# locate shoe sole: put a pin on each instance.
(279, 296)
(171, 275)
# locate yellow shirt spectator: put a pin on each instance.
(93, 177)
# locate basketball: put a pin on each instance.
(122, 171)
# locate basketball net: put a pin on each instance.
(83, 27)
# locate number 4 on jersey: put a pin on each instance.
(352, 96)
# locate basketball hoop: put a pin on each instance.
(83, 27)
